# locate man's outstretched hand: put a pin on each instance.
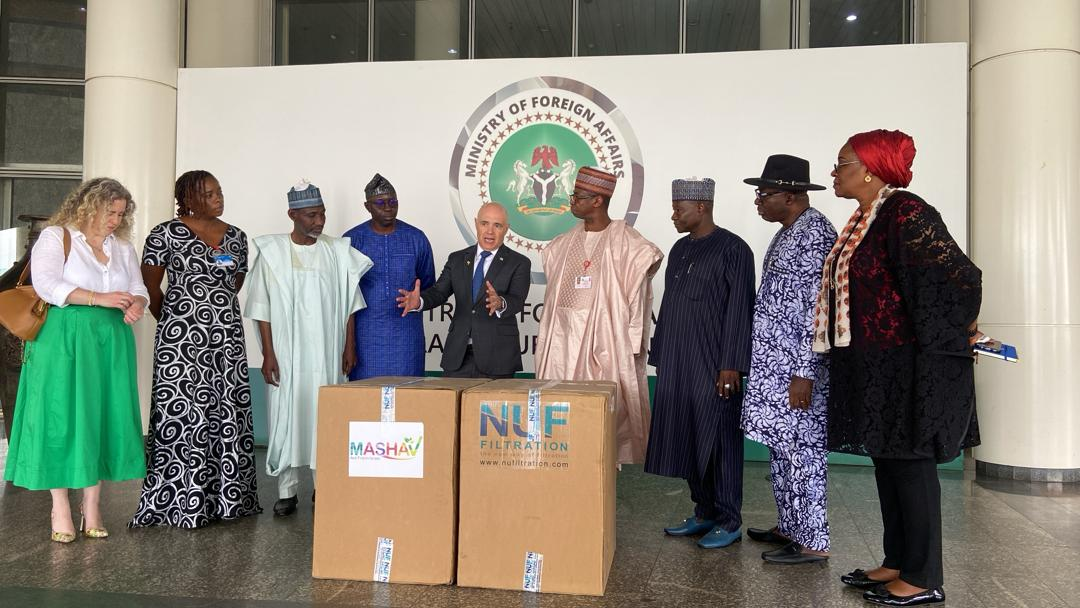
(409, 301)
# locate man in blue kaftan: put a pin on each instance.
(388, 344)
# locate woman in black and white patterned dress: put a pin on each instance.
(199, 451)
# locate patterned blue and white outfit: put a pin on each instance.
(782, 337)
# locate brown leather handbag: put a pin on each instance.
(22, 312)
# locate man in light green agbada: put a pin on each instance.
(304, 288)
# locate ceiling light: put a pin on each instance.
(452, 51)
(852, 17)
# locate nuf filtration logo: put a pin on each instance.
(524, 435)
(522, 148)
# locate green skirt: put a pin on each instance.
(77, 418)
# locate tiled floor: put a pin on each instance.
(1005, 544)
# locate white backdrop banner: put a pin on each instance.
(451, 135)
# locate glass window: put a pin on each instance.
(313, 31)
(421, 29)
(43, 38)
(42, 124)
(37, 197)
(737, 25)
(523, 28)
(628, 27)
(854, 22)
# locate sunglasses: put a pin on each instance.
(385, 202)
(758, 194)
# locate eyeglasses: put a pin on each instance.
(836, 166)
(385, 202)
(759, 195)
(582, 197)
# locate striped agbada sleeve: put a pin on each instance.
(739, 308)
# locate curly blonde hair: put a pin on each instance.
(92, 197)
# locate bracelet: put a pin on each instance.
(91, 303)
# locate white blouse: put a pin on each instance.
(54, 280)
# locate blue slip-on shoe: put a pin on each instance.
(690, 527)
(718, 538)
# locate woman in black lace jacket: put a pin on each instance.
(897, 313)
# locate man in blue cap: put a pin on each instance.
(303, 290)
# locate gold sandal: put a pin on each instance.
(91, 532)
(60, 537)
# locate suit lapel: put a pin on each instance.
(496, 266)
(469, 268)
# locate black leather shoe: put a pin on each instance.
(880, 595)
(767, 536)
(791, 553)
(285, 506)
(859, 580)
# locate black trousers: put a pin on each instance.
(717, 494)
(910, 498)
(468, 368)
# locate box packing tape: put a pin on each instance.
(534, 570)
(384, 558)
(532, 416)
(388, 409)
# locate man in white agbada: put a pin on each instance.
(303, 290)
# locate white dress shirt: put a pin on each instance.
(487, 262)
(54, 280)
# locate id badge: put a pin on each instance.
(583, 282)
(224, 260)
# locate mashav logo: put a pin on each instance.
(386, 449)
(405, 449)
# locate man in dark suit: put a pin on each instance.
(489, 283)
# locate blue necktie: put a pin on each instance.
(478, 276)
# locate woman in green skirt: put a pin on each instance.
(77, 419)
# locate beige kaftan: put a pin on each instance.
(596, 321)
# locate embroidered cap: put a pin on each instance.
(378, 186)
(304, 195)
(692, 189)
(596, 180)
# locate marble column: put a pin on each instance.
(132, 55)
(1025, 222)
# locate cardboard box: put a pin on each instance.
(537, 488)
(387, 475)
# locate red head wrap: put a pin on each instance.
(887, 154)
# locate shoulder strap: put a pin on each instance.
(26, 269)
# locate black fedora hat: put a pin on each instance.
(785, 172)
